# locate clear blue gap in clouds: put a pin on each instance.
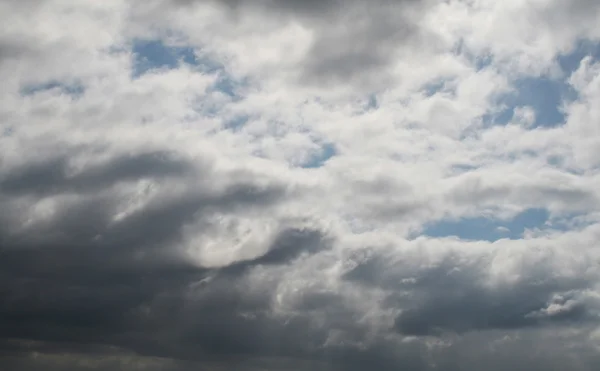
(155, 54)
(486, 229)
(570, 62)
(544, 94)
(319, 159)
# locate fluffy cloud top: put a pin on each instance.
(299, 185)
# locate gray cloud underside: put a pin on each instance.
(354, 41)
(79, 278)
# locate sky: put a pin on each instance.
(299, 185)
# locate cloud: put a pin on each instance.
(298, 185)
(457, 294)
(53, 175)
(349, 42)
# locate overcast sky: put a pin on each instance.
(203, 185)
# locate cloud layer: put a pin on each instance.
(299, 185)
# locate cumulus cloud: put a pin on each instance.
(265, 199)
(339, 42)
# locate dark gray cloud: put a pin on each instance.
(86, 292)
(453, 297)
(80, 278)
(51, 176)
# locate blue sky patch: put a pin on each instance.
(438, 86)
(327, 151)
(544, 94)
(155, 54)
(433, 88)
(487, 229)
(570, 62)
(227, 85)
